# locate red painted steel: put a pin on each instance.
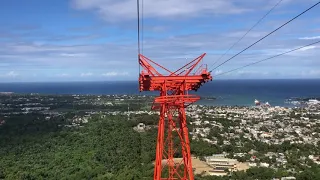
(173, 135)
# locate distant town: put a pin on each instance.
(238, 137)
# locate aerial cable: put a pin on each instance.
(142, 25)
(267, 35)
(263, 17)
(267, 58)
(138, 26)
(138, 15)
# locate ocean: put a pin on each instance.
(226, 92)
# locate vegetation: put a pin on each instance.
(103, 149)
(35, 147)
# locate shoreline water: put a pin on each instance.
(204, 100)
(225, 92)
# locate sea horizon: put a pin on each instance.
(231, 92)
(86, 81)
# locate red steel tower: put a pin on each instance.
(173, 136)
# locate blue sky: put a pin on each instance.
(82, 40)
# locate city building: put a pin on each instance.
(220, 164)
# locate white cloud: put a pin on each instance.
(111, 74)
(314, 73)
(310, 73)
(113, 10)
(252, 72)
(218, 72)
(307, 48)
(72, 54)
(86, 74)
(310, 38)
(180, 39)
(11, 74)
(63, 75)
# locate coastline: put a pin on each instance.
(216, 93)
(294, 102)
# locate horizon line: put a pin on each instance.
(119, 81)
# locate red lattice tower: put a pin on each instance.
(173, 100)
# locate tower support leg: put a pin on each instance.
(174, 119)
(185, 143)
(160, 145)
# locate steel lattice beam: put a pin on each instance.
(173, 99)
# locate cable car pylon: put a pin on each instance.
(173, 135)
